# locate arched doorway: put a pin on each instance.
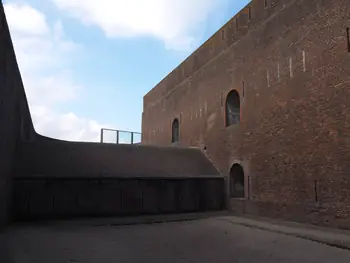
(232, 108)
(237, 181)
(175, 131)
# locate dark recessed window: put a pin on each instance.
(236, 181)
(175, 131)
(233, 110)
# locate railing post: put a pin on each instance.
(132, 138)
(101, 135)
(117, 136)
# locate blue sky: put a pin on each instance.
(87, 64)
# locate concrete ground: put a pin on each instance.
(216, 239)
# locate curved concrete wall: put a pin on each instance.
(58, 179)
(15, 121)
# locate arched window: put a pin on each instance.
(233, 110)
(175, 131)
(236, 181)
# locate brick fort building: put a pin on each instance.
(267, 98)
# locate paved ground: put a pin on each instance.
(205, 240)
(325, 235)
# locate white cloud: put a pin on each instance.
(43, 55)
(35, 25)
(50, 89)
(173, 21)
(65, 126)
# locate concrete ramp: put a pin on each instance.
(59, 159)
(57, 179)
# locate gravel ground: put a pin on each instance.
(205, 240)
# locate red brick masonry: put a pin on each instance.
(290, 63)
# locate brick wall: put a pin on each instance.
(15, 121)
(290, 63)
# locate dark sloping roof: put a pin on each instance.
(56, 158)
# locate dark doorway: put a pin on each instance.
(236, 181)
(175, 131)
(233, 108)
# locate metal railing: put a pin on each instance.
(119, 136)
